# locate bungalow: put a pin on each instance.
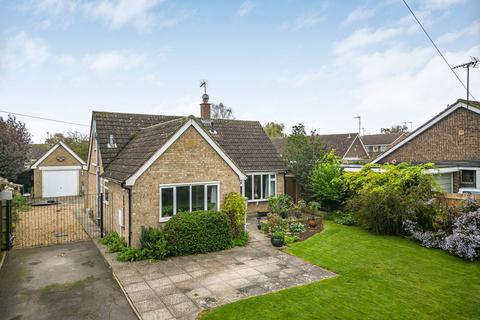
(149, 167)
(58, 173)
(376, 144)
(450, 140)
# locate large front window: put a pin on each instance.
(260, 187)
(188, 197)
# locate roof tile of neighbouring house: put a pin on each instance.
(338, 142)
(244, 142)
(381, 139)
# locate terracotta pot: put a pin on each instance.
(312, 223)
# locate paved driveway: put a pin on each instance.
(180, 287)
(70, 281)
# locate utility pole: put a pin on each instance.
(359, 124)
(467, 65)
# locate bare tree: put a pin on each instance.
(221, 111)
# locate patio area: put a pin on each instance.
(181, 287)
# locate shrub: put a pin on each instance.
(327, 183)
(345, 218)
(241, 240)
(278, 235)
(234, 206)
(114, 242)
(280, 205)
(291, 239)
(131, 254)
(276, 223)
(20, 203)
(198, 232)
(465, 238)
(297, 227)
(154, 245)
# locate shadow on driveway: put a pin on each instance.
(70, 281)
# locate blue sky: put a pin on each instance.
(316, 62)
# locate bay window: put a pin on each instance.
(259, 187)
(176, 198)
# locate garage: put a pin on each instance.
(60, 183)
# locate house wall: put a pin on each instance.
(189, 159)
(254, 207)
(118, 200)
(53, 161)
(91, 180)
(454, 138)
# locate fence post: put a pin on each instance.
(8, 225)
(101, 215)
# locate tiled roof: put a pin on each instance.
(475, 104)
(138, 136)
(381, 139)
(338, 142)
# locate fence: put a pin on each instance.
(456, 199)
(5, 224)
(47, 221)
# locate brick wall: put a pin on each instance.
(189, 159)
(455, 138)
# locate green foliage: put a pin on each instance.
(296, 227)
(301, 153)
(327, 183)
(275, 223)
(278, 235)
(290, 239)
(241, 240)
(280, 205)
(114, 242)
(131, 254)
(20, 203)
(382, 200)
(274, 129)
(154, 244)
(198, 232)
(75, 140)
(235, 207)
(345, 218)
(14, 146)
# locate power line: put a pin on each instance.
(438, 50)
(42, 118)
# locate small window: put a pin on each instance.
(273, 186)
(166, 200)
(106, 195)
(248, 187)
(468, 177)
(259, 186)
(121, 218)
(212, 197)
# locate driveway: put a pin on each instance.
(70, 281)
(180, 287)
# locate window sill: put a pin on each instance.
(257, 200)
(164, 219)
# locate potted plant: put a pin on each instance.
(311, 209)
(278, 239)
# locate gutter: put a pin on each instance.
(129, 189)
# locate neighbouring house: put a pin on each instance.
(149, 167)
(58, 173)
(376, 144)
(450, 140)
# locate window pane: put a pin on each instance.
(256, 187)
(212, 197)
(265, 186)
(198, 199)
(468, 176)
(167, 202)
(183, 198)
(248, 188)
(273, 185)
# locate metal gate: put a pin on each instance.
(47, 221)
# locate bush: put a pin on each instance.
(280, 205)
(241, 240)
(131, 254)
(234, 206)
(290, 239)
(198, 232)
(154, 245)
(345, 218)
(465, 238)
(276, 223)
(327, 183)
(114, 242)
(20, 203)
(278, 235)
(297, 227)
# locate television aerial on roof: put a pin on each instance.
(471, 64)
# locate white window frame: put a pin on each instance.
(105, 187)
(174, 187)
(268, 193)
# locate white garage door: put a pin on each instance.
(59, 183)
(444, 180)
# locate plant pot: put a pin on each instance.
(277, 242)
(312, 223)
(259, 226)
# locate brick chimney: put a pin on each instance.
(205, 107)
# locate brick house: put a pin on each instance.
(450, 140)
(58, 173)
(376, 144)
(149, 167)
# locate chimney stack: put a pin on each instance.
(205, 107)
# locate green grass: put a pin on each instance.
(380, 277)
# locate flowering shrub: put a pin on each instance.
(465, 239)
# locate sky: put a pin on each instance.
(320, 63)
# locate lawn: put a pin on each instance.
(380, 277)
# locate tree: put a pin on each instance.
(221, 111)
(327, 182)
(75, 140)
(301, 153)
(274, 129)
(14, 144)
(395, 129)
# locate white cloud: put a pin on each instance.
(116, 13)
(360, 13)
(111, 61)
(440, 4)
(366, 37)
(472, 30)
(23, 50)
(55, 7)
(245, 8)
(305, 21)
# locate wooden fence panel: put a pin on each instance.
(456, 199)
